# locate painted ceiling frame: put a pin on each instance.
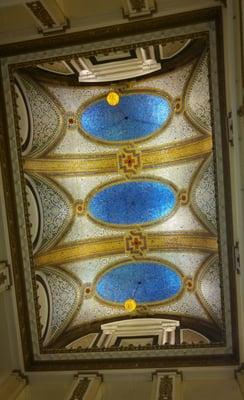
(207, 21)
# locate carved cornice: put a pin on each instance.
(130, 28)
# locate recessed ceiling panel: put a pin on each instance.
(136, 117)
(121, 210)
(144, 281)
(137, 202)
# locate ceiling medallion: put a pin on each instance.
(130, 305)
(79, 207)
(113, 98)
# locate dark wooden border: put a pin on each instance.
(128, 363)
(14, 237)
(227, 186)
(130, 28)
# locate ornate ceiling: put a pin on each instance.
(121, 209)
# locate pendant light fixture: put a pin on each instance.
(113, 98)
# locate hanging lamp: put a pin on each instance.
(113, 98)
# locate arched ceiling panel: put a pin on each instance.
(59, 303)
(45, 114)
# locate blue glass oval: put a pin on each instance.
(146, 282)
(132, 203)
(134, 118)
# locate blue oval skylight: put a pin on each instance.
(135, 118)
(143, 281)
(131, 203)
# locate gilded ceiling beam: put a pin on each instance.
(87, 249)
(105, 163)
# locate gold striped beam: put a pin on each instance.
(177, 152)
(88, 249)
(105, 163)
(81, 251)
(182, 242)
(84, 165)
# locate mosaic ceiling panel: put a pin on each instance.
(121, 203)
(137, 201)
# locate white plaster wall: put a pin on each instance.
(218, 389)
(123, 387)
(51, 386)
(127, 390)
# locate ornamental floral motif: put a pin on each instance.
(71, 120)
(183, 197)
(79, 207)
(189, 284)
(178, 105)
(88, 290)
(129, 161)
(136, 244)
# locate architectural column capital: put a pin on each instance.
(166, 385)
(47, 15)
(85, 387)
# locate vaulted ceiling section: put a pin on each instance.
(123, 225)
